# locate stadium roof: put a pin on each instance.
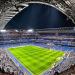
(9, 8)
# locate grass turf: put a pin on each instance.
(36, 59)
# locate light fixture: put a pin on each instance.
(30, 31)
(2, 30)
(16, 30)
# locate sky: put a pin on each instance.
(39, 16)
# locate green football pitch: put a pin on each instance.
(36, 59)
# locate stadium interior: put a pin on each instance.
(31, 43)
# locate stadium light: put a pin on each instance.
(30, 31)
(16, 30)
(3, 30)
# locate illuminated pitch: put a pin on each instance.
(36, 59)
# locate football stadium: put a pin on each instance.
(37, 37)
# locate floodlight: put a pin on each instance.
(16, 30)
(3, 30)
(30, 30)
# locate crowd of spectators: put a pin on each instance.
(7, 66)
